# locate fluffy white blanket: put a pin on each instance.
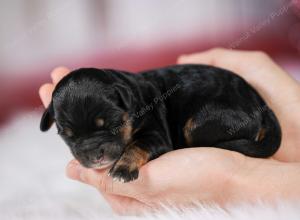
(33, 184)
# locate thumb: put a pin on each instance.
(100, 180)
(121, 205)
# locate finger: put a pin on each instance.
(58, 73)
(120, 204)
(97, 178)
(45, 93)
(245, 63)
(205, 57)
(220, 57)
(195, 58)
(100, 180)
(255, 67)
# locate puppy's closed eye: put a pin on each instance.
(99, 122)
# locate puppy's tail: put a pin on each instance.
(265, 145)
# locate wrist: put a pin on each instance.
(267, 180)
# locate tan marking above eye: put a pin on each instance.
(68, 132)
(99, 122)
(187, 130)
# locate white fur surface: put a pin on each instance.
(33, 184)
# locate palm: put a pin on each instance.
(177, 172)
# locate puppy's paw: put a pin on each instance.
(123, 173)
(126, 169)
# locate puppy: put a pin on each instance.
(112, 118)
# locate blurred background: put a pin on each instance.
(37, 36)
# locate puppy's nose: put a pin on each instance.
(100, 155)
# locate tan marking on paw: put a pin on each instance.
(133, 158)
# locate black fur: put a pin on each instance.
(169, 108)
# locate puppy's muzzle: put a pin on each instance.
(98, 156)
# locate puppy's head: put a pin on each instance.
(91, 112)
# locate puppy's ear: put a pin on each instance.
(47, 118)
(125, 96)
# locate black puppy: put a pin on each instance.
(110, 117)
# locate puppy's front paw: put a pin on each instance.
(124, 173)
(126, 169)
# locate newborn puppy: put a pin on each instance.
(116, 119)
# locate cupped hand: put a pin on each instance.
(179, 178)
(200, 174)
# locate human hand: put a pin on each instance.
(179, 177)
(280, 91)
